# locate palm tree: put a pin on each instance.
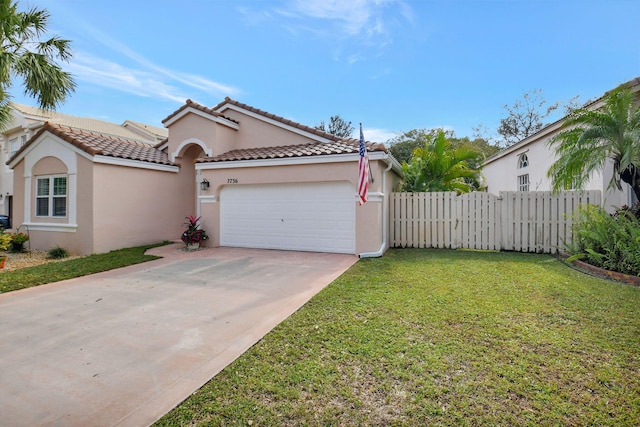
(438, 166)
(595, 137)
(22, 54)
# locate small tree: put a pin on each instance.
(23, 55)
(404, 144)
(439, 166)
(337, 126)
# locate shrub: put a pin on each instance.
(57, 253)
(607, 241)
(19, 238)
(5, 240)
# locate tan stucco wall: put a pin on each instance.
(192, 127)
(18, 197)
(115, 206)
(137, 206)
(368, 217)
(78, 240)
(258, 133)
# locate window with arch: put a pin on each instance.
(523, 161)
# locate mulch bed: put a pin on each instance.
(604, 274)
(16, 261)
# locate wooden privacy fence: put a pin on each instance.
(536, 221)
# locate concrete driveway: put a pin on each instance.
(122, 348)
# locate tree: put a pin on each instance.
(337, 126)
(402, 145)
(592, 137)
(525, 117)
(24, 55)
(439, 166)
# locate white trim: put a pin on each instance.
(277, 123)
(34, 146)
(108, 160)
(208, 199)
(49, 146)
(51, 196)
(55, 227)
(221, 120)
(372, 197)
(328, 158)
(207, 150)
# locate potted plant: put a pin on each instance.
(193, 235)
(17, 241)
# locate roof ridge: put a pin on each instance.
(112, 136)
(275, 117)
(193, 104)
(291, 151)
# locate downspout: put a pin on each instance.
(385, 213)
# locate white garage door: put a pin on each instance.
(316, 217)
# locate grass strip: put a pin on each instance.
(54, 272)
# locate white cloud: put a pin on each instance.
(114, 76)
(148, 79)
(368, 21)
(352, 16)
(378, 135)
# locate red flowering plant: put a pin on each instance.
(193, 233)
(17, 241)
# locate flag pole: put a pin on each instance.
(371, 179)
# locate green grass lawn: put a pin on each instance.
(438, 337)
(54, 272)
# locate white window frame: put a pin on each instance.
(51, 197)
(13, 146)
(523, 161)
(523, 182)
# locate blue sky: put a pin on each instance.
(392, 65)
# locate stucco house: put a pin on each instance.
(256, 179)
(524, 165)
(26, 121)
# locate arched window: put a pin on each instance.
(523, 161)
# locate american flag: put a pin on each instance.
(363, 171)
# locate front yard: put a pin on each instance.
(437, 337)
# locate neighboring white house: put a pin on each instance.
(27, 121)
(524, 165)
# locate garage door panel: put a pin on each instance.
(312, 216)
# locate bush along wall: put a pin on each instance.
(608, 241)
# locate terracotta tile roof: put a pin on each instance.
(280, 119)
(199, 107)
(90, 124)
(290, 151)
(158, 132)
(95, 143)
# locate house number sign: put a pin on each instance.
(232, 180)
